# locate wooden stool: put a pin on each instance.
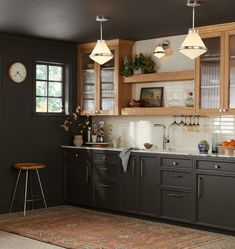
(26, 167)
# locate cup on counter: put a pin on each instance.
(93, 138)
(116, 142)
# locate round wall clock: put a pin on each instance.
(17, 72)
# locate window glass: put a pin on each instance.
(49, 93)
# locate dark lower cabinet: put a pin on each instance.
(194, 190)
(105, 195)
(148, 196)
(139, 186)
(78, 178)
(106, 170)
(215, 200)
(129, 191)
(176, 205)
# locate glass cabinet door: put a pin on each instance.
(88, 84)
(107, 86)
(210, 75)
(230, 73)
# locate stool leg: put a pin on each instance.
(26, 190)
(45, 204)
(14, 193)
(31, 188)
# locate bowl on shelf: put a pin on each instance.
(228, 150)
(135, 103)
(148, 146)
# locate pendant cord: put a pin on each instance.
(193, 16)
(101, 31)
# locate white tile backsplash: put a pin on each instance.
(137, 130)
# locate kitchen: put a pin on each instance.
(135, 126)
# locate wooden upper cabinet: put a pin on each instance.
(209, 75)
(215, 71)
(100, 89)
(229, 99)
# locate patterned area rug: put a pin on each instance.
(77, 228)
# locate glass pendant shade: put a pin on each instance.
(101, 53)
(193, 45)
(159, 51)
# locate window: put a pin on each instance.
(49, 90)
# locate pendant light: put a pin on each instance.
(101, 53)
(193, 45)
(159, 51)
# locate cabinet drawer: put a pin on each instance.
(102, 171)
(215, 165)
(176, 162)
(176, 205)
(106, 195)
(176, 179)
(75, 156)
(106, 157)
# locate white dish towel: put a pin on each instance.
(125, 155)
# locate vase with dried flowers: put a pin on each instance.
(76, 124)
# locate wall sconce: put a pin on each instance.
(193, 45)
(101, 53)
(159, 51)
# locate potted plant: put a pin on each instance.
(141, 64)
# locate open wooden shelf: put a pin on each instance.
(160, 111)
(156, 77)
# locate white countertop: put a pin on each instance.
(157, 151)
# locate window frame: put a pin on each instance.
(65, 82)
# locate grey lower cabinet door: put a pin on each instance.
(148, 185)
(78, 185)
(216, 200)
(129, 187)
(105, 194)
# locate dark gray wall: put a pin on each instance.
(25, 137)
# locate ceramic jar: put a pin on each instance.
(189, 102)
(203, 147)
(77, 141)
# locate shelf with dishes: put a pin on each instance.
(169, 93)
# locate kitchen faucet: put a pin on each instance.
(165, 139)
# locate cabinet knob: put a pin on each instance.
(225, 110)
(217, 166)
(174, 163)
(220, 110)
(76, 155)
(104, 157)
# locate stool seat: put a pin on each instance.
(29, 166)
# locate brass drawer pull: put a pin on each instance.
(104, 185)
(199, 187)
(87, 174)
(175, 175)
(141, 168)
(104, 169)
(175, 195)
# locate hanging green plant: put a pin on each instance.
(141, 62)
(128, 67)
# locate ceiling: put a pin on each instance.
(74, 20)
